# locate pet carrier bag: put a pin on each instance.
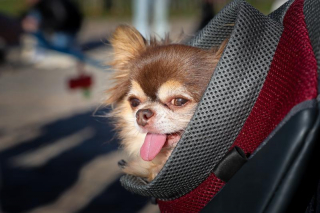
(251, 145)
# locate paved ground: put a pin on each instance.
(55, 155)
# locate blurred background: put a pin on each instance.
(58, 152)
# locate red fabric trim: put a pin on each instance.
(196, 199)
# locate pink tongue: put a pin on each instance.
(152, 145)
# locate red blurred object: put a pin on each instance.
(82, 81)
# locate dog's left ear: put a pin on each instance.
(127, 44)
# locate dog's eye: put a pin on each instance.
(179, 101)
(134, 102)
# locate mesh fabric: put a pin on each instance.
(292, 79)
(225, 105)
(196, 199)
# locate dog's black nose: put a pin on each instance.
(143, 115)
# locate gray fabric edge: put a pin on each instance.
(200, 38)
(213, 77)
(280, 13)
(297, 108)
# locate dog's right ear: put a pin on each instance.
(127, 44)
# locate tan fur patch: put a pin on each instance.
(171, 89)
(137, 91)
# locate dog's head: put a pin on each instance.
(157, 86)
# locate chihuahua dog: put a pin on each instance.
(157, 86)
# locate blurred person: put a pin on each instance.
(10, 31)
(55, 24)
(143, 10)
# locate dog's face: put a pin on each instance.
(156, 91)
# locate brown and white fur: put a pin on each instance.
(157, 86)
